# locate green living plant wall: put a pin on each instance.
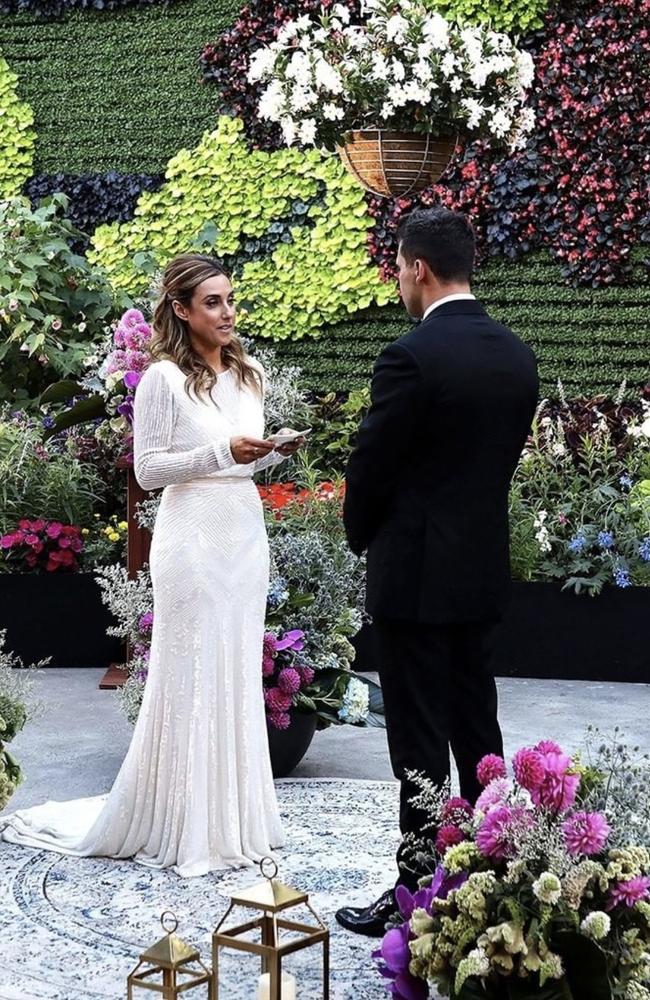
(511, 16)
(16, 135)
(115, 90)
(592, 339)
(321, 273)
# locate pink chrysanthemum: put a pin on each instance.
(558, 788)
(277, 700)
(494, 795)
(585, 833)
(131, 318)
(280, 720)
(548, 746)
(490, 767)
(528, 766)
(269, 644)
(630, 892)
(456, 809)
(289, 680)
(448, 836)
(494, 836)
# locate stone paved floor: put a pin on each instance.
(77, 744)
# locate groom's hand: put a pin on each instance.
(246, 450)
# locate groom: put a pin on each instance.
(427, 496)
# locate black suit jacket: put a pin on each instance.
(427, 485)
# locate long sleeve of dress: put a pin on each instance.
(155, 465)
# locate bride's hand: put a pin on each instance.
(246, 450)
(292, 446)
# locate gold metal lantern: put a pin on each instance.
(275, 935)
(170, 967)
(395, 164)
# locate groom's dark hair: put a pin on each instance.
(442, 238)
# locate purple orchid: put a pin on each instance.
(291, 640)
(132, 379)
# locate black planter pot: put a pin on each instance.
(551, 633)
(59, 615)
(289, 746)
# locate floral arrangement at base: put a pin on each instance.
(43, 545)
(17, 705)
(541, 891)
(580, 498)
(404, 67)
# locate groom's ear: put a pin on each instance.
(419, 270)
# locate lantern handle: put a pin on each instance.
(168, 913)
(275, 868)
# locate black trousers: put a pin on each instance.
(439, 692)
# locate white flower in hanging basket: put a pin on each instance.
(404, 71)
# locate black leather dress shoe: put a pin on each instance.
(370, 920)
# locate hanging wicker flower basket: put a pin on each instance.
(394, 164)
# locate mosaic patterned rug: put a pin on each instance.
(72, 929)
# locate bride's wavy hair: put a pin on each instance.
(170, 339)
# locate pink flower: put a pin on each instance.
(276, 700)
(38, 525)
(289, 680)
(280, 720)
(145, 623)
(548, 746)
(630, 892)
(54, 529)
(558, 788)
(447, 837)
(495, 794)
(56, 324)
(456, 809)
(8, 541)
(291, 640)
(269, 644)
(32, 540)
(490, 767)
(585, 833)
(268, 666)
(307, 674)
(494, 836)
(131, 318)
(528, 766)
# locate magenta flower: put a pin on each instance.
(132, 379)
(494, 836)
(280, 720)
(146, 621)
(307, 674)
(548, 746)
(495, 794)
(289, 680)
(54, 529)
(448, 836)
(131, 319)
(291, 640)
(7, 541)
(585, 833)
(558, 788)
(528, 766)
(268, 666)
(490, 767)
(276, 700)
(456, 809)
(630, 892)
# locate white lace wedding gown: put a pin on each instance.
(195, 792)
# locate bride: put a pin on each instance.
(195, 792)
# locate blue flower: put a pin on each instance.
(277, 594)
(578, 543)
(48, 422)
(626, 481)
(622, 577)
(644, 549)
(605, 540)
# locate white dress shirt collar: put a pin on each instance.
(457, 297)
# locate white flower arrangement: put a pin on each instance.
(403, 68)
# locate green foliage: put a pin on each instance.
(115, 90)
(17, 705)
(51, 301)
(511, 16)
(39, 482)
(16, 135)
(220, 196)
(590, 338)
